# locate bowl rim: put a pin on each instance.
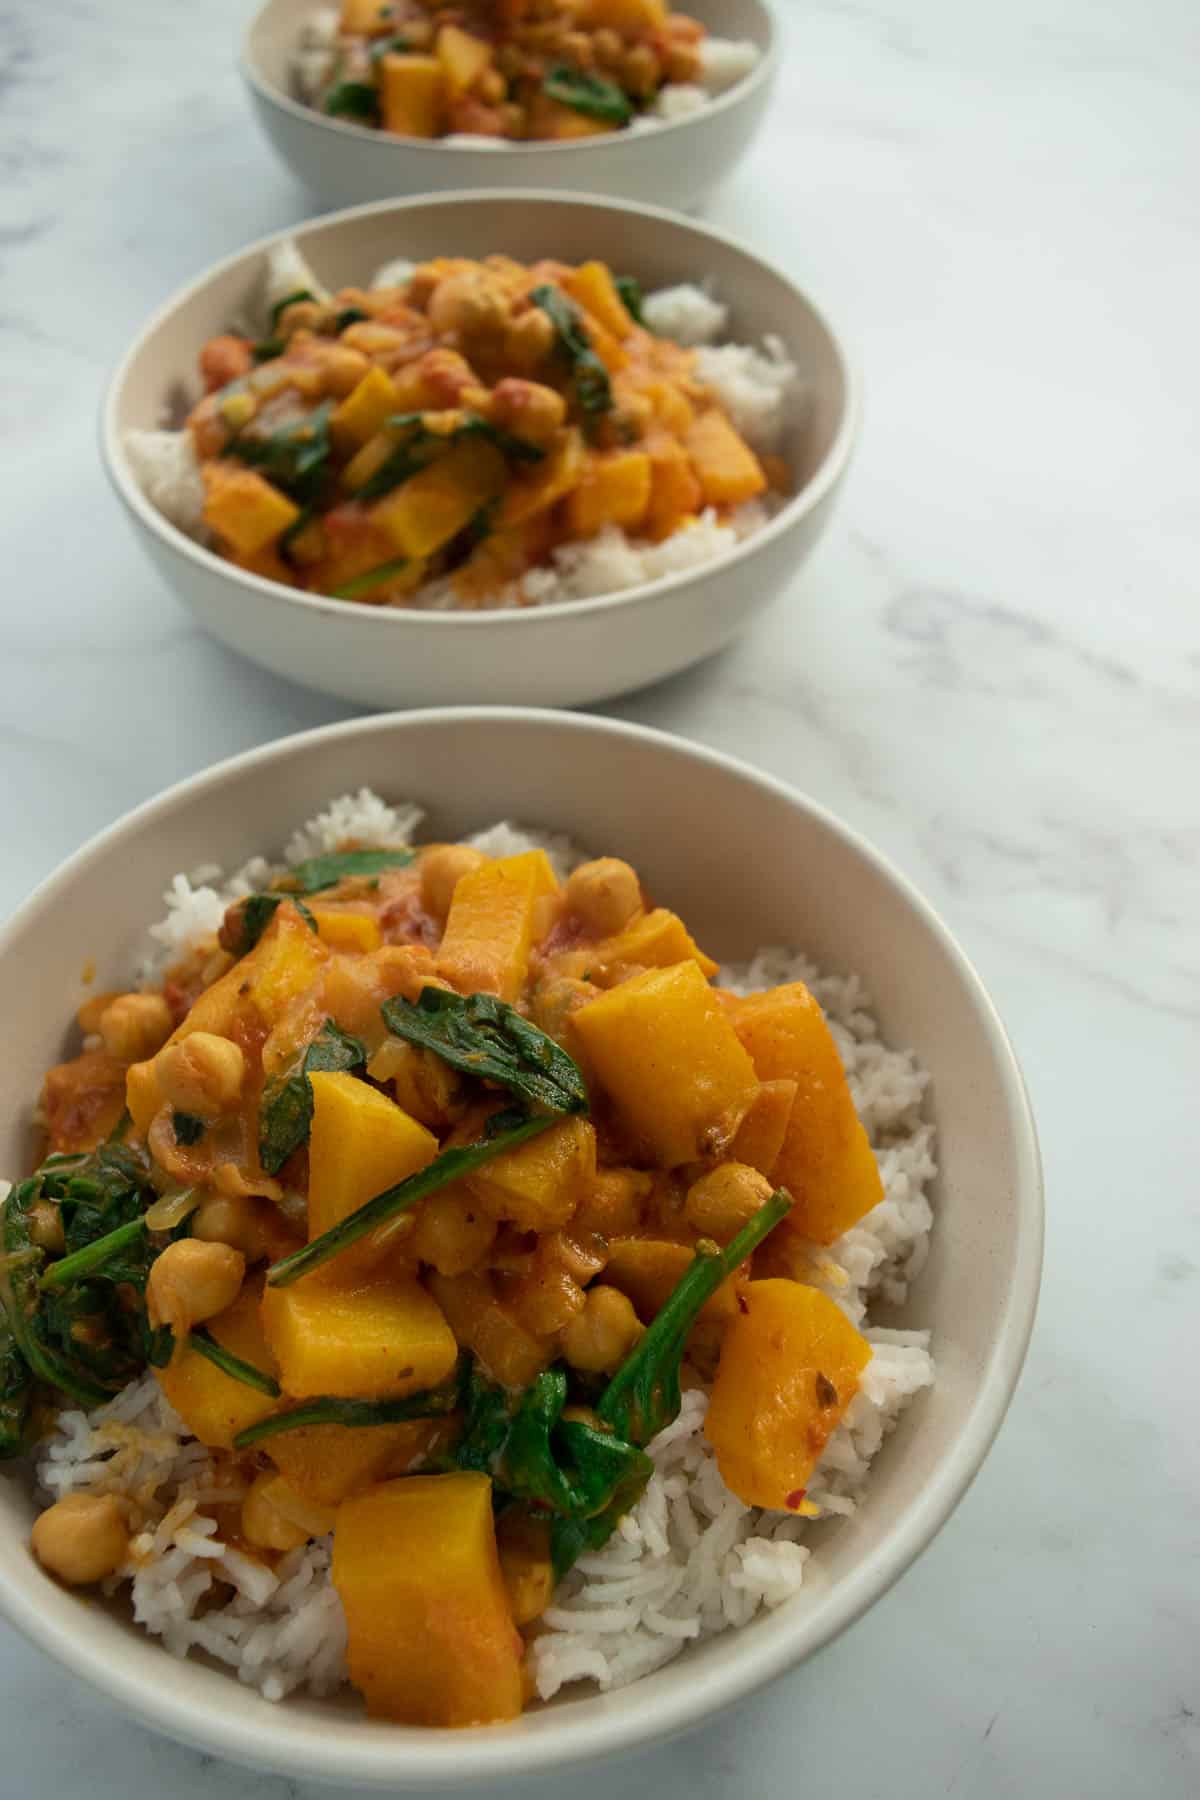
(490, 1754)
(741, 91)
(823, 481)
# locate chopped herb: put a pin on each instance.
(482, 1036)
(434, 1403)
(630, 290)
(285, 1117)
(593, 389)
(363, 584)
(353, 100)
(187, 1127)
(317, 873)
(593, 95)
(281, 306)
(504, 1131)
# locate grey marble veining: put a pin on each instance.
(992, 668)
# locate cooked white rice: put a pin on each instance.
(690, 1560)
(759, 388)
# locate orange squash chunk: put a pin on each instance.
(762, 1131)
(213, 1405)
(431, 1637)
(727, 469)
(490, 927)
(790, 1366)
(648, 1270)
(83, 1100)
(326, 1463)
(412, 94)
(826, 1162)
(615, 490)
(537, 1186)
(361, 1143)
(378, 1341)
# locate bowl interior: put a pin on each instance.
(271, 44)
(748, 863)
(158, 381)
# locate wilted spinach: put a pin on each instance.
(593, 95)
(593, 390)
(285, 1116)
(482, 1036)
(317, 873)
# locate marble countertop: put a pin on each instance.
(991, 667)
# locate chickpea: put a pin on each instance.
(577, 48)
(442, 868)
(452, 1234)
(234, 1220)
(529, 340)
(492, 87)
(81, 1538)
(720, 1202)
(192, 1281)
(641, 71)
(603, 895)
(607, 47)
(599, 1338)
(134, 1026)
(262, 1522)
(471, 303)
(528, 410)
(46, 1227)
(201, 1074)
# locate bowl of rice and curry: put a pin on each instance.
(443, 450)
(458, 1263)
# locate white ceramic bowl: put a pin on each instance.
(700, 826)
(671, 165)
(566, 654)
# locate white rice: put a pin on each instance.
(760, 389)
(690, 1560)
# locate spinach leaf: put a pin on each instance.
(16, 1395)
(187, 1127)
(281, 306)
(417, 447)
(587, 93)
(245, 923)
(643, 1396)
(433, 1403)
(321, 872)
(267, 349)
(482, 1036)
(504, 1131)
(349, 315)
(354, 100)
(295, 456)
(593, 389)
(632, 297)
(285, 1116)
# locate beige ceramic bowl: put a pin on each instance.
(698, 824)
(671, 165)
(566, 654)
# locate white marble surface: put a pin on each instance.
(992, 669)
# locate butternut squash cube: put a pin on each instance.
(366, 18)
(213, 1405)
(363, 411)
(675, 491)
(243, 508)
(483, 1325)
(431, 1636)
(762, 1131)
(545, 485)
(615, 490)
(463, 58)
(343, 930)
(790, 1366)
(325, 1463)
(664, 1050)
(591, 286)
(648, 1270)
(551, 119)
(412, 94)
(726, 467)
(433, 506)
(658, 940)
(365, 462)
(490, 927)
(826, 1162)
(378, 1341)
(361, 1143)
(537, 1186)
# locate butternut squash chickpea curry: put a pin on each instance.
(549, 69)
(423, 1190)
(465, 423)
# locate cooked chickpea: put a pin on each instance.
(234, 1220)
(720, 1202)
(530, 339)
(528, 410)
(262, 1522)
(46, 1227)
(193, 1281)
(641, 71)
(603, 895)
(492, 87)
(471, 303)
(201, 1074)
(81, 1538)
(441, 871)
(578, 48)
(452, 1232)
(599, 1338)
(607, 47)
(134, 1026)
